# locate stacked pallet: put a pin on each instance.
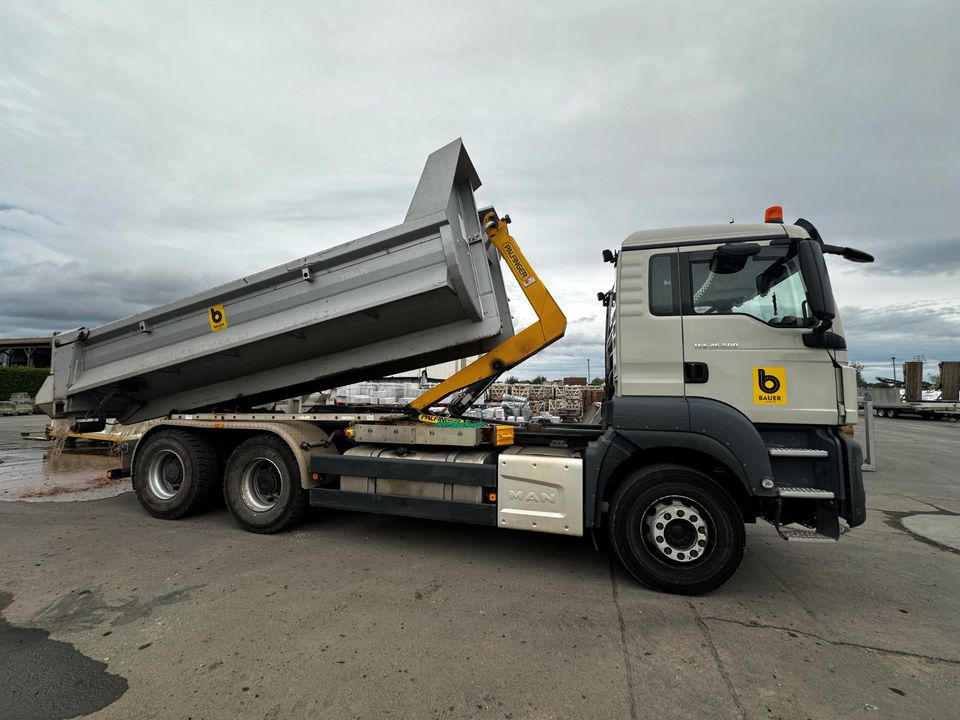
(540, 392)
(567, 401)
(496, 392)
(538, 406)
(520, 390)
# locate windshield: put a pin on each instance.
(769, 288)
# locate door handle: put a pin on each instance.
(695, 372)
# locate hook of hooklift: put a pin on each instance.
(490, 224)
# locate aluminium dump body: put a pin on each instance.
(426, 291)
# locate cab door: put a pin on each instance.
(649, 334)
(742, 338)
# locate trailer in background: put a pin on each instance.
(926, 410)
(888, 402)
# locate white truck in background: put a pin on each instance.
(727, 389)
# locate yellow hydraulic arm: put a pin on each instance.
(550, 327)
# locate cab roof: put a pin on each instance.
(728, 232)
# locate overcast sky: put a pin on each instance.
(151, 150)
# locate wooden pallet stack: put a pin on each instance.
(567, 401)
(496, 392)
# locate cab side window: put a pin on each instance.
(664, 287)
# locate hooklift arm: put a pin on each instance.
(550, 327)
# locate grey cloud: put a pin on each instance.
(903, 331)
(181, 147)
(48, 296)
(912, 256)
(6, 207)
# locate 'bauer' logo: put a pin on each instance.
(767, 383)
(217, 317)
(770, 386)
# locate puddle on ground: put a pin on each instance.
(44, 678)
(38, 474)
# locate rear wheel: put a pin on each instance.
(261, 485)
(177, 473)
(675, 530)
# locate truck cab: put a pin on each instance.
(725, 353)
(726, 316)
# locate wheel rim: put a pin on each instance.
(165, 474)
(260, 485)
(678, 529)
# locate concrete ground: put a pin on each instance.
(110, 612)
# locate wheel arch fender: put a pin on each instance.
(696, 427)
(626, 451)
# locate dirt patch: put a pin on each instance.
(51, 490)
(44, 473)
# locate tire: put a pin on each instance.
(177, 474)
(261, 486)
(891, 414)
(706, 540)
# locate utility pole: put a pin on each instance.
(893, 361)
(588, 371)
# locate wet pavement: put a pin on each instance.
(46, 679)
(38, 471)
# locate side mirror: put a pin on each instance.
(848, 253)
(815, 277)
(732, 257)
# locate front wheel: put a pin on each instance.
(261, 485)
(676, 530)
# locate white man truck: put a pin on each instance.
(728, 395)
